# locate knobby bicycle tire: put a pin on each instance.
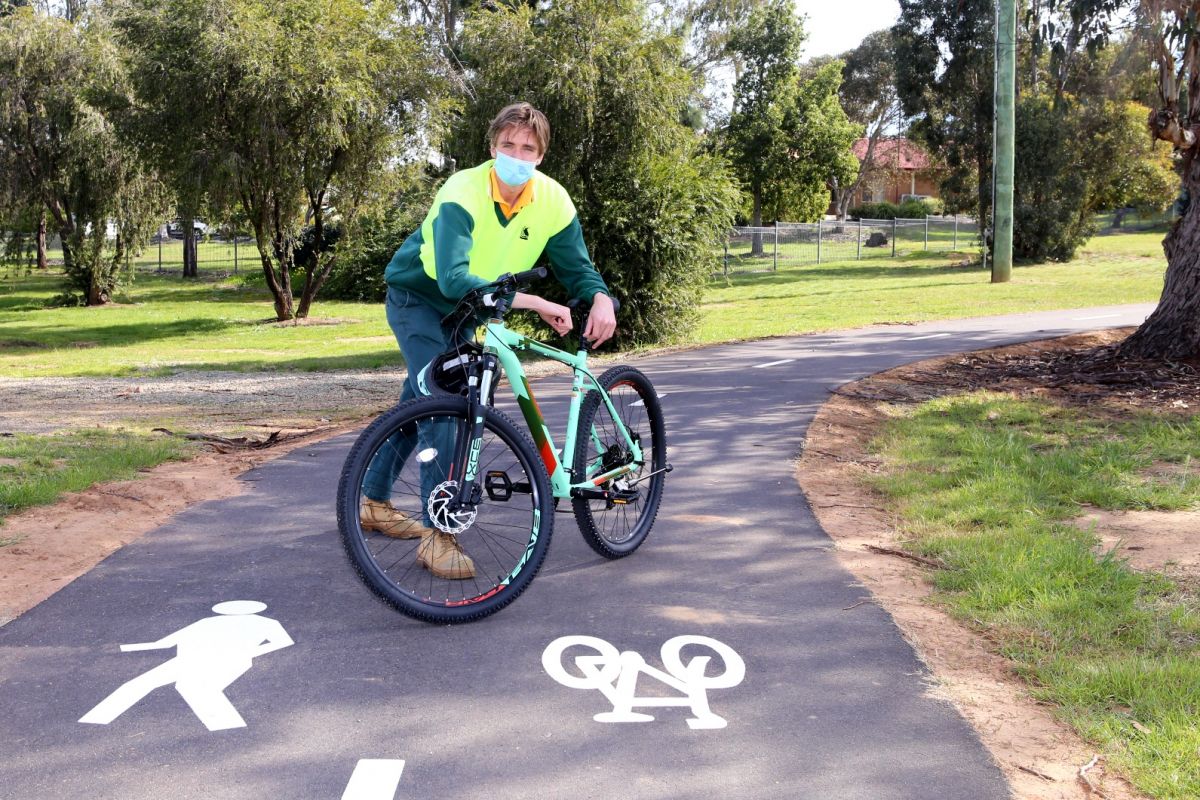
(506, 541)
(615, 529)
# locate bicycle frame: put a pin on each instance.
(504, 344)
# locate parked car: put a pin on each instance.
(175, 228)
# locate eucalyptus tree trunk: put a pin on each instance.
(845, 196)
(756, 239)
(40, 240)
(276, 249)
(1172, 331)
(190, 266)
(312, 284)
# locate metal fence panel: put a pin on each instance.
(794, 244)
(165, 254)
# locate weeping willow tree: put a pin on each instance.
(297, 114)
(64, 93)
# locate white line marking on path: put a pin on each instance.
(774, 363)
(929, 336)
(374, 779)
(1101, 316)
(659, 395)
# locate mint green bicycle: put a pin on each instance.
(463, 469)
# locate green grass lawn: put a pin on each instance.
(163, 323)
(988, 484)
(1110, 270)
(35, 470)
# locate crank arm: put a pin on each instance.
(636, 481)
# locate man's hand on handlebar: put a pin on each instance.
(602, 321)
(556, 316)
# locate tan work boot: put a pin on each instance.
(441, 554)
(381, 516)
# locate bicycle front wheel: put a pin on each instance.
(392, 492)
(617, 526)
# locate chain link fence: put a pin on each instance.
(793, 244)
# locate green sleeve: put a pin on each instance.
(571, 263)
(452, 242)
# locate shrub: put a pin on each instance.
(358, 272)
(914, 208)
(919, 209)
(883, 210)
(1050, 219)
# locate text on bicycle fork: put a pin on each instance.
(615, 675)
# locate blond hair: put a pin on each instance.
(521, 115)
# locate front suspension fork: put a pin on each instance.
(467, 448)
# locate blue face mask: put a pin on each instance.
(513, 171)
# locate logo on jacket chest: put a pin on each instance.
(525, 233)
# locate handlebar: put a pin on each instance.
(508, 283)
(495, 296)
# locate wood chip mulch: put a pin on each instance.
(1088, 376)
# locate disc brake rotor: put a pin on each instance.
(440, 514)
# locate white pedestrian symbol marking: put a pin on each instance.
(210, 655)
(615, 675)
(374, 779)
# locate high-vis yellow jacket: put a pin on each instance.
(466, 241)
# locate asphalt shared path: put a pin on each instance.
(268, 671)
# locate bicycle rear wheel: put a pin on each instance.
(407, 454)
(616, 527)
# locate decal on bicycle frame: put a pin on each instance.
(537, 425)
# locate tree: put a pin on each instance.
(821, 143)
(1052, 198)
(1172, 331)
(755, 138)
(788, 138)
(868, 95)
(162, 122)
(944, 65)
(654, 209)
(296, 110)
(1167, 27)
(1127, 168)
(705, 27)
(60, 149)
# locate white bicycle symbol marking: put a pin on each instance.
(615, 675)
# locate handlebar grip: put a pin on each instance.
(529, 275)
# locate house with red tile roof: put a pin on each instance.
(900, 167)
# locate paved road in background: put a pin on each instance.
(834, 704)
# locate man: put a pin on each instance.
(495, 218)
